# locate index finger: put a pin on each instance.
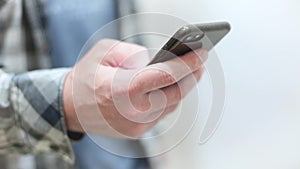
(167, 73)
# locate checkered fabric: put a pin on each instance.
(31, 118)
(32, 129)
(31, 114)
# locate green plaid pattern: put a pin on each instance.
(32, 126)
(31, 115)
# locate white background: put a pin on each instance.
(261, 61)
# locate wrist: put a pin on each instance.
(71, 119)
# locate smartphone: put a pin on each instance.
(192, 37)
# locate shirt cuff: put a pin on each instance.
(36, 99)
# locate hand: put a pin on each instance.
(110, 92)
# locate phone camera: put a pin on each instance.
(192, 38)
(189, 38)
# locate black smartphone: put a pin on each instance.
(192, 37)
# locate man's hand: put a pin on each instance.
(110, 91)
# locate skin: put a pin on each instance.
(110, 91)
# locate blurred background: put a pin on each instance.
(260, 58)
(261, 63)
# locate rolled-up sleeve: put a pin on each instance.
(31, 113)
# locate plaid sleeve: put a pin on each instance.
(31, 114)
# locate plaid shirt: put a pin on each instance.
(31, 113)
(32, 126)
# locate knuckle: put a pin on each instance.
(134, 88)
(133, 115)
(104, 101)
(198, 75)
(177, 94)
(167, 77)
(144, 107)
(139, 110)
(195, 61)
(103, 92)
(171, 109)
(174, 107)
(109, 96)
